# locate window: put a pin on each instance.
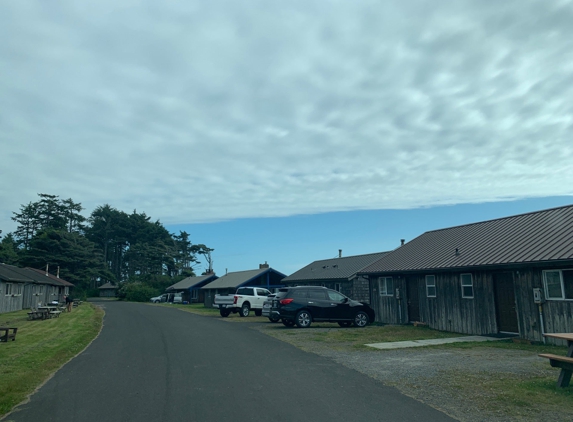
(431, 286)
(247, 291)
(194, 294)
(8, 290)
(19, 289)
(386, 286)
(467, 286)
(262, 292)
(558, 284)
(317, 294)
(337, 287)
(335, 296)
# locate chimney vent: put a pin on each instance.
(340, 253)
(265, 265)
(457, 251)
(402, 241)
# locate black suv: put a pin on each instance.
(303, 304)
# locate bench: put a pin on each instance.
(34, 314)
(563, 362)
(55, 314)
(6, 335)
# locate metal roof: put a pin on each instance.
(53, 279)
(342, 268)
(9, 273)
(189, 282)
(542, 236)
(235, 279)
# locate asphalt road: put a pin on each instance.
(153, 363)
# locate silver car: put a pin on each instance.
(273, 316)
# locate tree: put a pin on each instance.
(8, 250)
(77, 258)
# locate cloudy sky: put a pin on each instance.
(203, 111)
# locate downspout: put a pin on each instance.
(542, 323)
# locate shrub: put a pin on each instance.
(137, 292)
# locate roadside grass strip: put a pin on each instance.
(41, 348)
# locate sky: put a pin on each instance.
(284, 131)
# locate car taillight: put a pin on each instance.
(285, 301)
(235, 300)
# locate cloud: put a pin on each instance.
(200, 111)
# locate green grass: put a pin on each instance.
(41, 347)
(333, 334)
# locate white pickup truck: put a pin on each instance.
(245, 299)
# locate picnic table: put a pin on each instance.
(563, 362)
(6, 335)
(44, 312)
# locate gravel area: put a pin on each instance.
(454, 380)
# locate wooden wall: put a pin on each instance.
(9, 303)
(448, 311)
(557, 314)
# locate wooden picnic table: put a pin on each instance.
(6, 335)
(563, 362)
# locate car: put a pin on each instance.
(273, 316)
(168, 297)
(159, 299)
(304, 304)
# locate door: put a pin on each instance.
(413, 299)
(318, 304)
(505, 303)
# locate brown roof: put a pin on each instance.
(52, 277)
(542, 236)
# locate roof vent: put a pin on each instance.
(265, 265)
(457, 251)
(402, 241)
(340, 253)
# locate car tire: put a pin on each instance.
(288, 322)
(345, 323)
(361, 319)
(224, 312)
(274, 319)
(258, 312)
(303, 319)
(245, 310)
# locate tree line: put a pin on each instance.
(108, 246)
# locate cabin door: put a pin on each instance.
(505, 303)
(413, 299)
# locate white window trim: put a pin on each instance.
(431, 285)
(562, 298)
(8, 289)
(383, 281)
(462, 285)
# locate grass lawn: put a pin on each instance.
(41, 347)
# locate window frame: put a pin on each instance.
(561, 285)
(462, 285)
(383, 281)
(428, 286)
(8, 289)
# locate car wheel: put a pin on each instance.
(224, 312)
(258, 312)
(273, 319)
(155, 301)
(345, 323)
(245, 309)
(303, 319)
(361, 319)
(288, 322)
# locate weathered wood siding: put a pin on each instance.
(557, 314)
(9, 303)
(448, 311)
